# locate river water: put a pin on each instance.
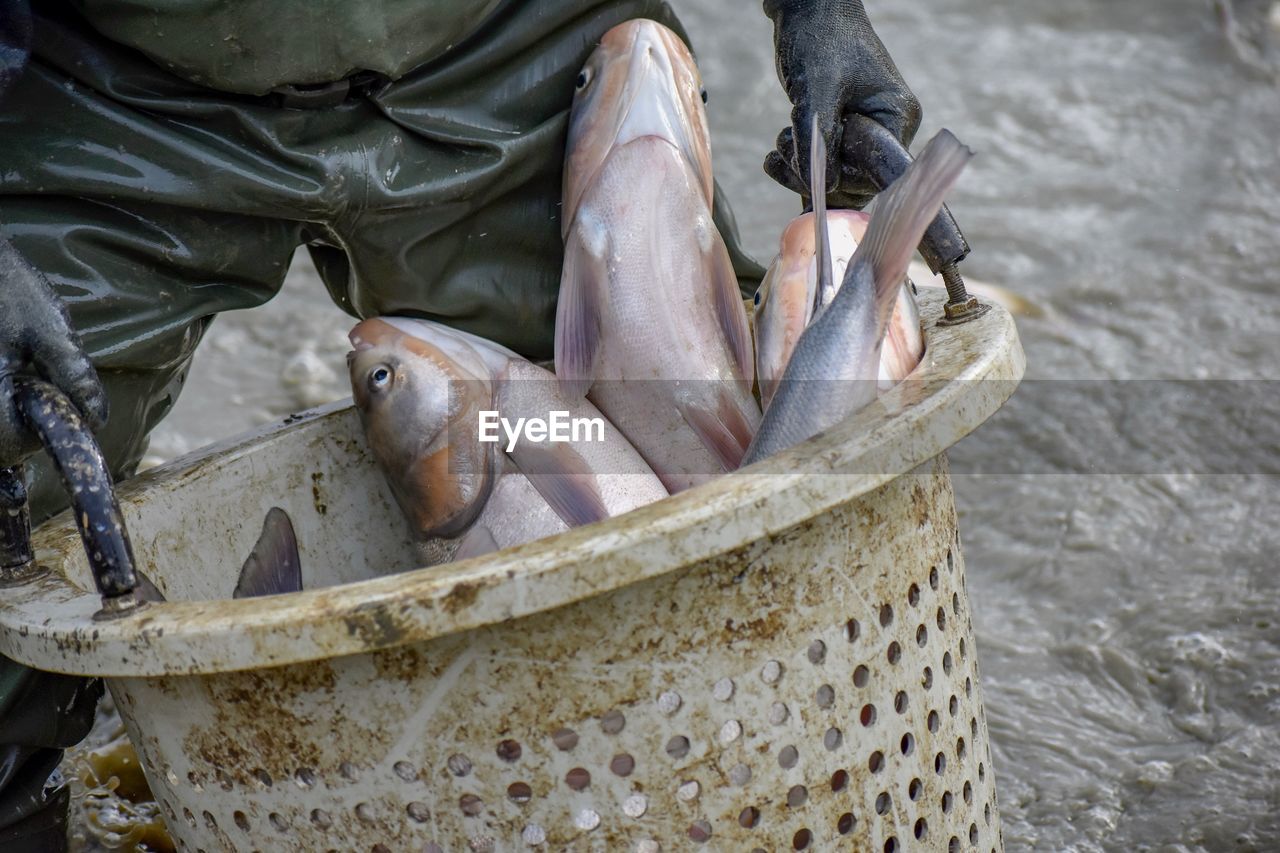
(1127, 181)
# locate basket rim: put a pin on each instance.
(48, 622)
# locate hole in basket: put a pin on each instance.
(321, 819)
(352, 773)
(982, 772)
(382, 848)
(951, 561)
(509, 750)
(868, 715)
(953, 705)
(962, 648)
(946, 662)
(915, 789)
(304, 777)
(778, 713)
(730, 731)
(894, 652)
(927, 681)
(967, 793)
(960, 749)
(852, 630)
(817, 652)
(922, 636)
(405, 771)
(242, 822)
(876, 762)
(832, 739)
(891, 845)
(622, 764)
(418, 812)
(986, 813)
(973, 727)
(921, 829)
(700, 831)
(955, 603)
(578, 778)
(900, 702)
(564, 739)
(933, 722)
(459, 764)
(613, 722)
(722, 691)
(209, 819)
(278, 822)
(940, 763)
(787, 757)
(678, 746)
(845, 823)
(825, 696)
(519, 792)
(587, 819)
(968, 686)
(860, 676)
(771, 672)
(470, 804)
(839, 781)
(942, 619)
(883, 802)
(635, 806)
(947, 802)
(364, 811)
(749, 817)
(669, 702)
(797, 796)
(739, 775)
(190, 818)
(913, 595)
(688, 791)
(224, 780)
(262, 777)
(953, 846)
(802, 839)
(886, 616)
(973, 833)
(194, 779)
(933, 577)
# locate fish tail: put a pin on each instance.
(903, 212)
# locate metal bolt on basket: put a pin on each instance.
(780, 659)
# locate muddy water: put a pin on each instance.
(1128, 181)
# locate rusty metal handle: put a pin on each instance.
(83, 471)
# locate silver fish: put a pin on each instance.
(845, 340)
(421, 389)
(650, 320)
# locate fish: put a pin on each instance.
(273, 566)
(833, 371)
(422, 389)
(650, 323)
(789, 296)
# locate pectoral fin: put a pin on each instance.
(477, 541)
(725, 432)
(273, 566)
(564, 479)
(582, 285)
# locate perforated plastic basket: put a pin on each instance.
(781, 659)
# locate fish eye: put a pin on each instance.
(757, 298)
(704, 94)
(380, 378)
(584, 77)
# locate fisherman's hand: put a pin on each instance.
(36, 337)
(832, 64)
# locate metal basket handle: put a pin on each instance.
(83, 471)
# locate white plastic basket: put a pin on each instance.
(780, 659)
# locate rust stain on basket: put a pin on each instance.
(317, 498)
(462, 596)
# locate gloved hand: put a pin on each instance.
(831, 64)
(35, 335)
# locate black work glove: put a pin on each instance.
(832, 64)
(36, 336)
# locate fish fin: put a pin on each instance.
(731, 313)
(825, 286)
(146, 590)
(903, 212)
(582, 283)
(476, 542)
(725, 432)
(564, 479)
(273, 566)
